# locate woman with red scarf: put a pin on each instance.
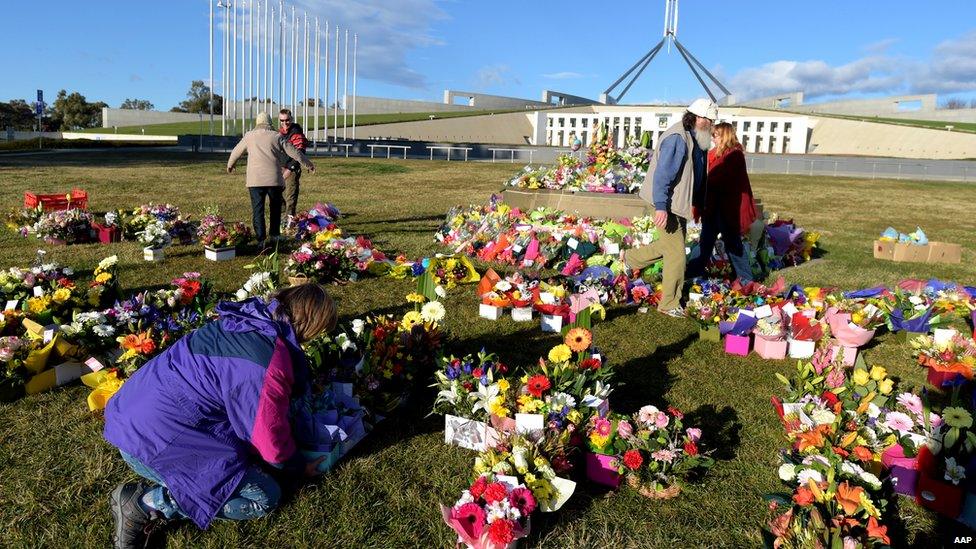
(729, 207)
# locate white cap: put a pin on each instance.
(704, 108)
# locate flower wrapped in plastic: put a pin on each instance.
(493, 513)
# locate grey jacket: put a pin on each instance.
(266, 154)
(682, 188)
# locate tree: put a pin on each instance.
(198, 100)
(72, 111)
(954, 104)
(137, 104)
(17, 114)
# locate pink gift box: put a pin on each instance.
(770, 349)
(894, 456)
(850, 353)
(602, 469)
(737, 345)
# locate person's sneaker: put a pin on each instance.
(133, 525)
(677, 312)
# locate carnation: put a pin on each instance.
(501, 532)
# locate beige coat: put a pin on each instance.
(683, 187)
(266, 154)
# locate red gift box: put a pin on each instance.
(106, 234)
(942, 497)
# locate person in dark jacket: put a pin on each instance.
(729, 205)
(201, 421)
(292, 132)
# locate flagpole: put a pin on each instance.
(335, 118)
(233, 86)
(210, 4)
(305, 78)
(271, 61)
(315, 93)
(345, 87)
(325, 119)
(355, 51)
(294, 63)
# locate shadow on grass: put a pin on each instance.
(647, 379)
(721, 429)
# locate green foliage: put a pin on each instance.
(73, 112)
(198, 100)
(137, 104)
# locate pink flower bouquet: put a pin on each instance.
(491, 513)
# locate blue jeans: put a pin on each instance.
(274, 195)
(734, 248)
(257, 495)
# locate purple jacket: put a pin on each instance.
(198, 412)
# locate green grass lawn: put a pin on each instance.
(969, 127)
(183, 128)
(56, 471)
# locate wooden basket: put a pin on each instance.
(298, 280)
(650, 493)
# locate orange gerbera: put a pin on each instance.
(877, 531)
(849, 497)
(142, 343)
(579, 339)
(863, 454)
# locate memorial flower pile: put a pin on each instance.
(947, 361)
(466, 386)
(155, 235)
(605, 168)
(320, 265)
(306, 225)
(71, 226)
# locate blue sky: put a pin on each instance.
(414, 49)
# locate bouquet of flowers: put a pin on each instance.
(491, 514)
(574, 367)
(104, 287)
(708, 311)
(155, 235)
(467, 386)
(307, 225)
(946, 361)
(909, 313)
(265, 279)
(396, 354)
(14, 351)
(94, 332)
(68, 226)
(215, 233)
(22, 220)
(528, 462)
(321, 265)
(135, 221)
(662, 452)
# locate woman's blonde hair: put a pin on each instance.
(309, 309)
(725, 137)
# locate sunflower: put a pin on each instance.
(957, 417)
(579, 339)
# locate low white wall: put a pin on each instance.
(17, 136)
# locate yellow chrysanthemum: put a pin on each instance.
(102, 278)
(61, 295)
(560, 353)
(503, 385)
(414, 297)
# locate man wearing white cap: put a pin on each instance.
(675, 185)
(266, 154)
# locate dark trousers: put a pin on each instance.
(257, 211)
(711, 227)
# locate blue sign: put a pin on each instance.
(39, 108)
(40, 96)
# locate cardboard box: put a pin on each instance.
(944, 252)
(884, 249)
(933, 252)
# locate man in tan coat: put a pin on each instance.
(266, 154)
(675, 186)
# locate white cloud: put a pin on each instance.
(493, 76)
(952, 67)
(387, 31)
(565, 75)
(816, 78)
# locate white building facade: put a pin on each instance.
(758, 134)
